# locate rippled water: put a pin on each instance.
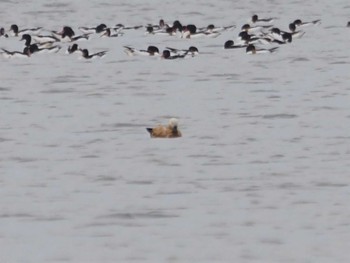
(260, 175)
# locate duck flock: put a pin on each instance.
(257, 36)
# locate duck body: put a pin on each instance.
(91, 30)
(191, 51)
(151, 51)
(86, 55)
(251, 49)
(27, 52)
(229, 44)
(14, 28)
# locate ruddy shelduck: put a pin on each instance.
(169, 131)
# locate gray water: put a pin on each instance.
(261, 173)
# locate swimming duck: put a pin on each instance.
(27, 52)
(191, 51)
(90, 30)
(74, 48)
(86, 55)
(28, 42)
(2, 32)
(229, 44)
(256, 19)
(169, 131)
(151, 51)
(211, 28)
(251, 49)
(67, 34)
(167, 55)
(300, 23)
(14, 28)
(107, 33)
